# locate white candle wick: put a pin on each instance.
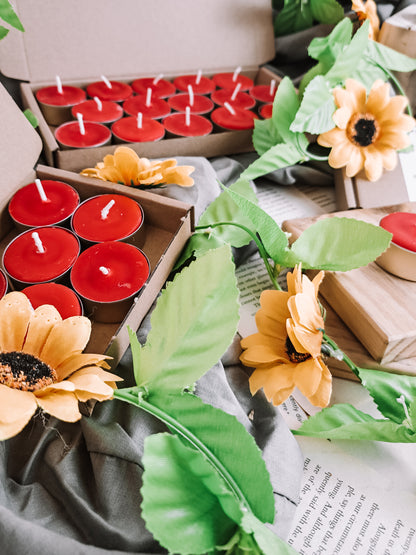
(272, 86)
(235, 92)
(157, 79)
(106, 81)
(236, 72)
(81, 123)
(104, 270)
(229, 108)
(59, 84)
(191, 95)
(198, 76)
(38, 243)
(139, 120)
(99, 103)
(106, 209)
(41, 190)
(148, 97)
(188, 116)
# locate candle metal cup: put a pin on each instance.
(4, 283)
(175, 125)
(56, 114)
(126, 130)
(398, 261)
(66, 301)
(78, 137)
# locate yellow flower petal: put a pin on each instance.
(341, 154)
(322, 395)
(358, 92)
(273, 380)
(16, 405)
(15, 312)
(308, 375)
(341, 117)
(126, 161)
(332, 137)
(61, 404)
(41, 322)
(355, 164)
(77, 361)
(66, 339)
(373, 164)
(379, 98)
(90, 386)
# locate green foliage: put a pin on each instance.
(316, 110)
(297, 15)
(8, 15)
(31, 117)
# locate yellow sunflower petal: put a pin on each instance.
(179, 176)
(332, 137)
(65, 385)
(345, 100)
(341, 154)
(373, 164)
(15, 312)
(61, 404)
(378, 98)
(77, 361)
(169, 163)
(322, 395)
(112, 174)
(269, 325)
(304, 340)
(90, 386)
(294, 280)
(108, 161)
(359, 93)
(41, 322)
(272, 380)
(356, 162)
(107, 377)
(308, 375)
(342, 116)
(389, 156)
(92, 172)
(394, 139)
(126, 161)
(304, 310)
(317, 280)
(66, 339)
(16, 405)
(261, 355)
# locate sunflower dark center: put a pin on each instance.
(293, 354)
(363, 129)
(24, 371)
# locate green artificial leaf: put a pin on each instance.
(296, 15)
(3, 32)
(265, 135)
(316, 110)
(268, 542)
(273, 238)
(198, 244)
(277, 157)
(412, 414)
(136, 351)
(339, 244)
(31, 117)
(182, 497)
(224, 436)
(318, 69)
(327, 11)
(343, 421)
(201, 308)
(389, 58)
(285, 106)
(8, 15)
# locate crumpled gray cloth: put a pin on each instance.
(74, 489)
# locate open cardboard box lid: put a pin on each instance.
(83, 39)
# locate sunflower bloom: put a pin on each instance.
(286, 351)
(367, 11)
(127, 168)
(42, 364)
(369, 130)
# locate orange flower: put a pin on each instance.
(367, 11)
(369, 130)
(286, 351)
(42, 364)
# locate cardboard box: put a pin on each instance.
(169, 223)
(131, 39)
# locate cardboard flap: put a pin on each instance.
(83, 39)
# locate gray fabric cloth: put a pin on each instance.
(75, 488)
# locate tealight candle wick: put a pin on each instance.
(106, 209)
(41, 190)
(236, 72)
(235, 92)
(188, 116)
(104, 270)
(106, 81)
(229, 108)
(99, 103)
(81, 123)
(139, 120)
(59, 84)
(191, 95)
(272, 86)
(157, 79)
(198, 76)
(148, 97)
(38, 243)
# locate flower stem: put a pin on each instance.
(353, 367)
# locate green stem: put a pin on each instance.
(132, 396)
(256, 239)
(353, 367)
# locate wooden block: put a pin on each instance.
(378, 308)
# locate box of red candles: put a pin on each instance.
(168, 78)
(87, 246)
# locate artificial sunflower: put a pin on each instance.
(127, 168)
(367, 11)
(42, 364)
(286, 351)
(369, 130)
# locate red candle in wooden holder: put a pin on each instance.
(234, 97)
(80, 134)
(3, 284)
(43, 203)
(109, 217)
(100, 111)
(264, 93)
(266, 111)
(109, 90)
(107, 276)
(161, 88)
(148, 105)
(64, 299)
(227, 117)
(40, 255)
(229, 80)
(400, 258)
(56, 101)
(199, 83)
(198, 103)
(187, 124)
(137, 129)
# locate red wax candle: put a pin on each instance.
(100, 111)
(187, 125)
(403, 227)
(64, 299)
(235, 98)
(43, 203)
(198, 103)
(161, 88)
(229, 80)
(266, 111)
(107, 218)
(199, 83)
(3, 284)
(40, 255)
(71, 135)
(148, 105)
(138, 129)
(231, 118)
(56, 101)
(264, 93)
(109, 90)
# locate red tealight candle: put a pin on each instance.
(109, 90)
(56, 101)
(199, 83)
(197, 103)
(100, 111)
(41, 255)
(80, 134)
(400, 258)
(231, 118)
(148, 105)
(187, 124)
(161, 88)
(3, 284)
(234, 97)
(138, 129)
(229, 80)
(107, 276)
(108, 218)
(64, 299)
(266, 111)
(43, 203)
(264, 93)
